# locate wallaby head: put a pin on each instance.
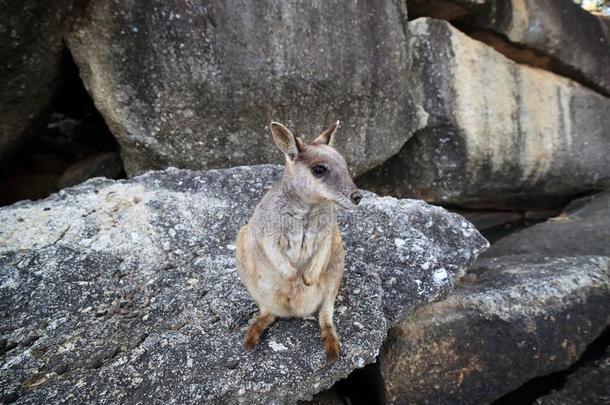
(317, 172)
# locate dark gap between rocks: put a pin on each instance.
(496, 224)
(462, 18)
(540, 386)
(73, 145)
(362, 387)
(440, 9)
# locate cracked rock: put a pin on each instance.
(555, 35)
(511, 319)
(131, 290)
(561, 36)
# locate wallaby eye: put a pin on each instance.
(318, 170)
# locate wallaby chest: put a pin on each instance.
(305, 234)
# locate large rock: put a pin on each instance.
(556, 35)
(195, 84)
(126, 291)
(513, 318)
(498, 133)
(30, 50)
(583, 229)
(566, 38)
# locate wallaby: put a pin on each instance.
(290, 254)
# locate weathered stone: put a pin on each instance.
(556, 35)
(126, 291)
(576, 42)
(498, 134)
(583, 229)
(195, 84)
(588, 385)
(512, 319)
(541, 215)
(30, 50)
(106, 164)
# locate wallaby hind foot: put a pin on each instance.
(331, 344)
(256, 329)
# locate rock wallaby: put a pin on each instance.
(290, 254)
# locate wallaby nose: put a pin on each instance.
(356, 196)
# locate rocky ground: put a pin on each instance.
(128, 291)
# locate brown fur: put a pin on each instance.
(331, 343)
(256, 329)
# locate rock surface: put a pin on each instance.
(556, 35)
(512, 319)
(30, 50)
(583, 229)
(126, 291)
(498, 133)
(195, 84)
(570, 40)
(589, 385)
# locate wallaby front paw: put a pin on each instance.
(307, 281)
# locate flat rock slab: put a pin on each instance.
(511, 319)
(126, 291)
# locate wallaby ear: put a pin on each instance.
(327, 136)
(285, 140)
